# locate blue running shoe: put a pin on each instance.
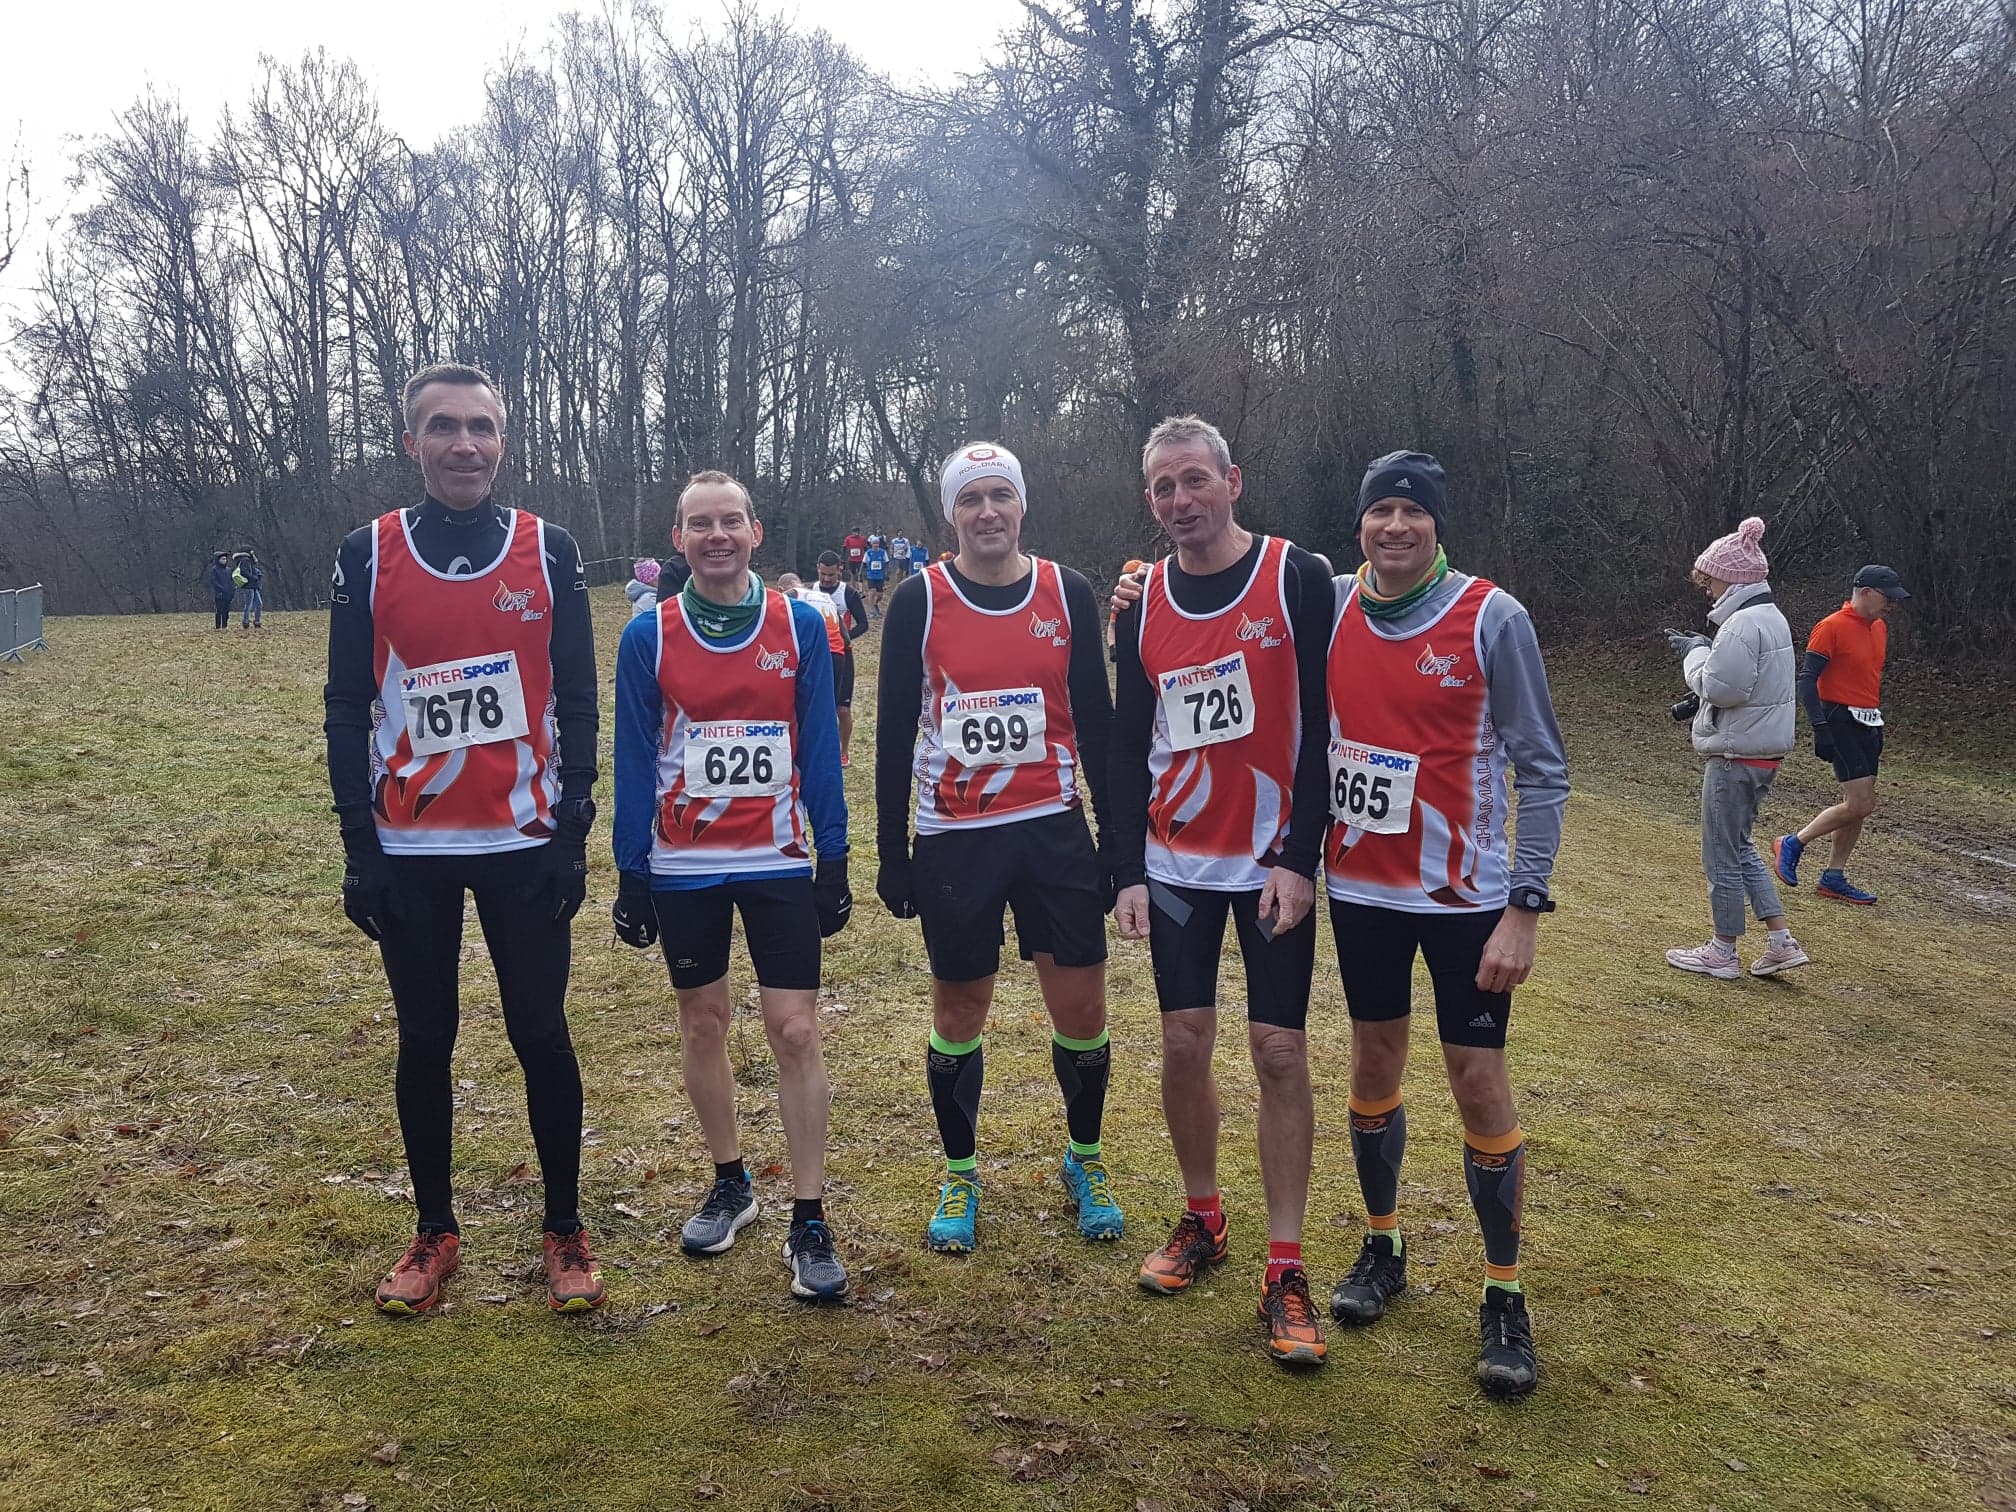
(816, 1272)
(1091, 1187)
(1835, 884)
(1785, 856)
(952, 1226)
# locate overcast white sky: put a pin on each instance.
(66, 70)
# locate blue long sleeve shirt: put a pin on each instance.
(640, 721)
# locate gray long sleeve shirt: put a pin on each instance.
(1522, 713)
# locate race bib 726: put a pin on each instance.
(1208, 704)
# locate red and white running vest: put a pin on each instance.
(1417, 772)
(727, 753)
(1228, 723)
(995, 737)
(831, 610)
(463, 750)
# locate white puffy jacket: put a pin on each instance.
(1747, 679)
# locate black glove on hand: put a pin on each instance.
(636, 920)
(370, 896)
(830, 895)
(1823, 739)
(564, 887)
(892, 886)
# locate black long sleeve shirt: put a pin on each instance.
(1311, 603)
(899, 699)
(455, 542)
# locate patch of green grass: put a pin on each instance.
(1767, 1223)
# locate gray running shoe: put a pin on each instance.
(730, 1207)
(816, 1272)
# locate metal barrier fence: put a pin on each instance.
(21, 622)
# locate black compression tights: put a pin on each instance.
(422, 948)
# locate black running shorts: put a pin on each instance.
(843, 679)
(778, 920)
(1044, 869)
(1858, 748)
(1375, 957)
(1186, 937)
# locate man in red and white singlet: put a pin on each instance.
(726, 746)
(461, 716)
(993, 711)
(1435, 684)
(1218, 810)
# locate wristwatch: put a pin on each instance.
(1532, 900)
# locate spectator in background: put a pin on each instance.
(222, 588)
(1745, 720)
(672, 575)
(246, 573)
(642, 589)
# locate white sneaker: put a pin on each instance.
(1710, 959)
(1780, 958)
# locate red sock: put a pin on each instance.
(1211, 1209)
(1282, 1258)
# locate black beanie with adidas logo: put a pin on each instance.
(1403, 475)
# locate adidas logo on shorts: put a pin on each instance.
(1483, 1021)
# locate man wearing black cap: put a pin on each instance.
(1841, 685)
(1434, 684)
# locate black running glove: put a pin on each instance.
(1823, 734)
(830, 895)
(636, 920)
(892, 886)
(370, 896)
(563, 886)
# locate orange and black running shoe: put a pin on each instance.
(573, 1279)
(1292, 1335)
(1192, 1246)
(414, 1284)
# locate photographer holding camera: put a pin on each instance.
(1744, 709)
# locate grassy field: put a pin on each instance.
(1768, 1224)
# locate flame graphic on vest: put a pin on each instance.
(771, 661)
(1431, 665)
(1042, 628)
(508, 602)
(1254, 629)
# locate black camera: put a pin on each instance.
(1686, 709)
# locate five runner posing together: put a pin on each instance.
(1269, 720)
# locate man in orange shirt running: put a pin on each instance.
(1841, 684)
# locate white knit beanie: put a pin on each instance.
(981, 459)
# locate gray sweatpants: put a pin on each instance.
(1731, 794)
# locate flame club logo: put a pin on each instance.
(1048, 629)
(774, 661)
(1257, 630)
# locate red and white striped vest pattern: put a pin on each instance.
(984, 673)
(436, 637)
(1218, 813)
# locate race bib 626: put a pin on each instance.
(738, 758)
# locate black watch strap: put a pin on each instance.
(1532, 900)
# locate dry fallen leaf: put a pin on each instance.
(1493, 1472)
(387, 1452)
